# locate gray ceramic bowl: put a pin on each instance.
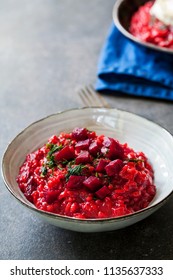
(122, 13)
(139, 133)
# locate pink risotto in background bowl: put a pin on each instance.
(150, 29)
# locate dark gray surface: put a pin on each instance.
(47, 49)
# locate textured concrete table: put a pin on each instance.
(47, 49)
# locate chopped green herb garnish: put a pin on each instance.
(64, 162)
(49, 145)
(54, 148)
(59, 167)
(76, 170)
(98, 155)
(51, 163)
(50, 158)
(70, 163)
(134, 160)
(43, 171)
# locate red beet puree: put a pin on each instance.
(83, 175)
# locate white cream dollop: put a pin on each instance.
(163, 10)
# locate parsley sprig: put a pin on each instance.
(43, 171)
(50, 157)
(53, 148)
(50, 161)
(75, 170)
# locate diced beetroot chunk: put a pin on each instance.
(107, 141)
(82, 145)
(93, 148)
(114, 167)
(83, 157)
(116, 151)
(112, 148)
(102, 192)
(79, 133)
(66, 153)
(75, 182)
(101, 165)
(92, 183)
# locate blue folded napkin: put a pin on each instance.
(127, 67)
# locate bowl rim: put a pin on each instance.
(72, 219)
(129, 35)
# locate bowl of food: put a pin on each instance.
(146, 22)
(90, 169)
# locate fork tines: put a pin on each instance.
(91, 98)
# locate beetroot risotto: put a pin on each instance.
(150, 29)
(83, 175)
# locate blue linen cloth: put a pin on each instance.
(127, 67)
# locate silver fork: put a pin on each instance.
(91, 98)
